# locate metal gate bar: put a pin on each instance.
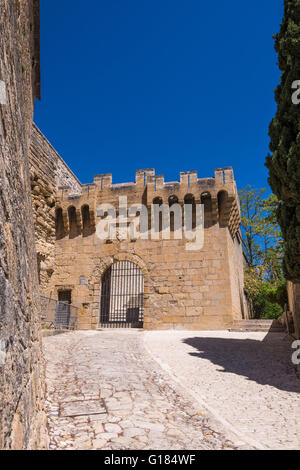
(122, 296)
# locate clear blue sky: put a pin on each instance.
(174, 85)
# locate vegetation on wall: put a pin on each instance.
(263, 248)
(284, 132)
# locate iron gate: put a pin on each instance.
(122, 296)
(57, 314)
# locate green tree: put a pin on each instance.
(261, 235)
(263, 247)
(269, 232)
(284, 131)
(251, 212)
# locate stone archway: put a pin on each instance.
(95, 281)
(122, 296)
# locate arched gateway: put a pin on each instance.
(163, 281)
(122, 295)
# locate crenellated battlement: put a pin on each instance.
(218, 194)
(157, 186)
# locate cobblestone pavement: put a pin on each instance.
(246, 379)
(104, 391)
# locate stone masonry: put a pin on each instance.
(201, 289)
(49, 246)
(108, 394)
(48, 172)
(22, 420)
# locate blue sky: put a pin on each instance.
(174, 85)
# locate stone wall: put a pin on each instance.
(43, 157)
(294, 305)
(236, 268)
(48, 172)
(22, 420)
(199, 289)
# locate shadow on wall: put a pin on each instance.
(266, 362)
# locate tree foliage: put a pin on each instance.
(261, 235)
(284, 132)
(263, 248)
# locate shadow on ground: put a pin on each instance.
(266, 362)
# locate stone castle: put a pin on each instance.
(48, 243)
(201, 289)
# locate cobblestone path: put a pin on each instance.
(247, 379)
(104, 391)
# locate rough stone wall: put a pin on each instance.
(236, 269)
(48, 172)
(294, 305)
(183, 289)
(22, 421)
(43, 154)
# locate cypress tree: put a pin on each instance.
(284, 131)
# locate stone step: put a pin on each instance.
(257, 322)
(257, 325)
(254, 325)
(254, 329)
(260, 321)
